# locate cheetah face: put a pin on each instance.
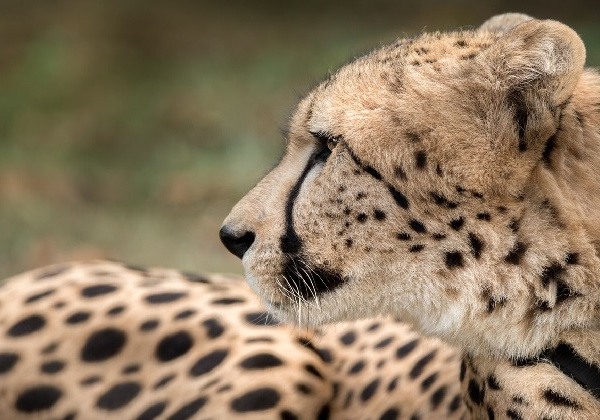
(412, 185)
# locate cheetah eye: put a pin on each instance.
(326, 139)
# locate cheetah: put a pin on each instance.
(449, 180)
(103, 340)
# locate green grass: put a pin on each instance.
(129, 130)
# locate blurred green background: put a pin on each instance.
(129, 128)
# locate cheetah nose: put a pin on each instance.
(236, 243)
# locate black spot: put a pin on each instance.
(516, 253)
(438, 236)
(402, 236)
(454, 259)
(149, 325)
(369, 390)
(185, 314)
(393, 383)
(260, 340)
(313, 370)
(374, 327)
(384, 343)
(257, 400)
(427, 382)
(416, 248)
(77, 317)
(477, 195)
(556, 398)
(563, 292)
(438, 170)
(349, 243)
(420, 159)
(348, 338)
(103, 344)
(455, 403)
(27, 326)
(474, 392)
(357, 367)
(189, 409)
(437, 397)
(572, 258)
(116, 310)
(457, 224)
(553, 272)
(390, 414)
(119, 396)
(493, 382)
(463, 370)
(7, 361)
(52, 367)
(484, 216)
(261, 361)
(323, 413)
(304, 389)
(133, 368)
(174, 346)
(406, 349)
(165, 297)
(398, 197)
(417, 226)
(514, 225)
(418, 368)
(97, 290)
(460, 43)
(153, 411)
(90, 380)
(438, 198)
(476, 245)
(38, 398)
(362, 218)
(164, 381)
(228, 301)
(490, 413)
(213, 327)
(325, 355)
(379, 214)
(208, 362)
(287, 415)
(513, 415)
(38, 296)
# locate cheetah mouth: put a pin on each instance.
(301, 280)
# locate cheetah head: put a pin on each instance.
(442, 179)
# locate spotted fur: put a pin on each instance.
(102, 340)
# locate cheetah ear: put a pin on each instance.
(504, 23)
(538, 60)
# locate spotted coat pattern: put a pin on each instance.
(102, 340)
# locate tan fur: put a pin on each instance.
(302, 393)
(491, 140)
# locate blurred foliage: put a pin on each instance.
(129, 128)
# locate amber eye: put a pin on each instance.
(332, 142)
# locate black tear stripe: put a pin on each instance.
(398, 197)
(290, 242)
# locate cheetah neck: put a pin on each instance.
(563, 380)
